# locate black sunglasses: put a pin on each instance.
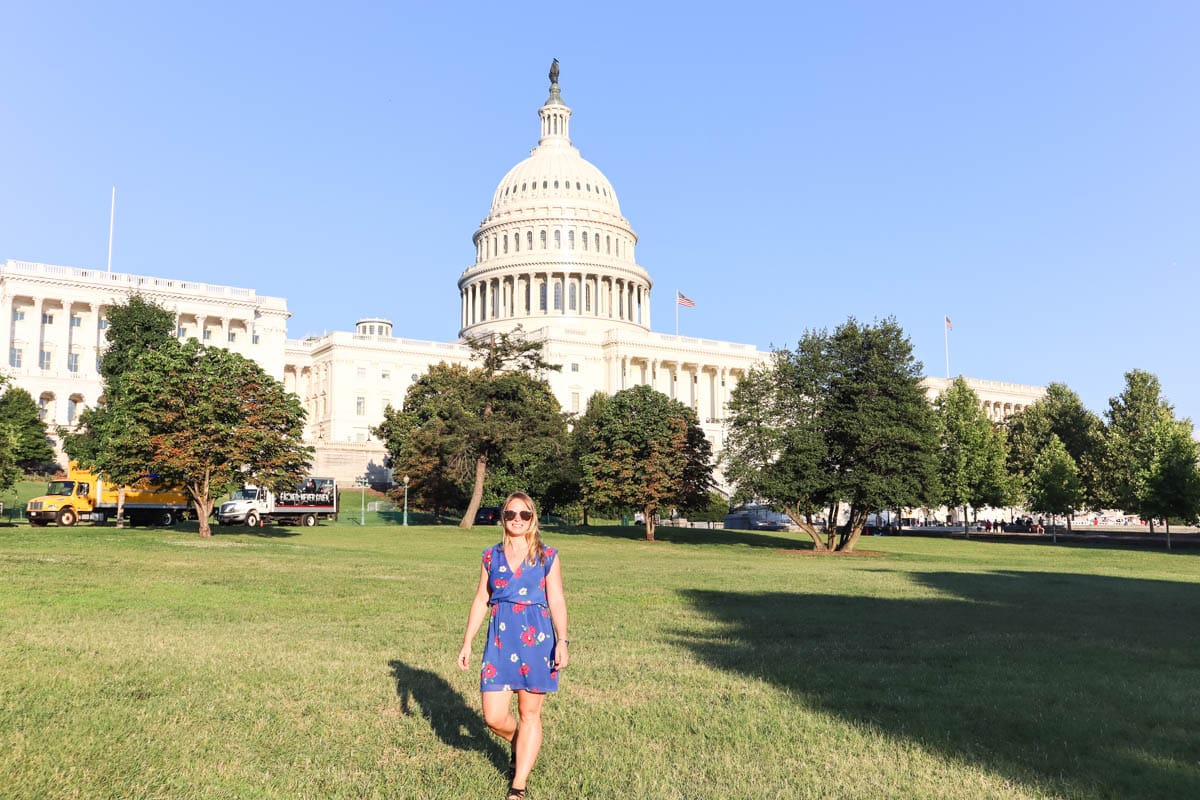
(510, 515)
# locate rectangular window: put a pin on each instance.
(47, 318)
(103, 324)
(360, 406)
(254, 339)
(575, 401)
(574, 368)
(14, 357)
(386, 375)
(72, 362)
(18, 315)
(71, 406)
(181, 332)
(207, 334)
(231, 336)
(76, 321)
(44, 359)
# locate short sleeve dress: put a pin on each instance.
(519, 655)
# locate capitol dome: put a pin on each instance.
(554, 247)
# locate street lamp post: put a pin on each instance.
(362, 500)
(405, 500)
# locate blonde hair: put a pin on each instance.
(533, 536)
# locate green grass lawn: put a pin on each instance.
(320, 664)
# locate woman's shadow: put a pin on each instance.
(451, 719)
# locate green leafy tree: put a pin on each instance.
(213, 420)
(1054, 485)
(134, 327)
(510, 366)
(109, 438)
(1138, 429)
(842, 419)
(10, 473)
(973, 451)
(775, 446)
(881, 430)
(1060, 413)
(467, 434)
(583, 441)
(1174, 485)
(18, 409)
(648, 453)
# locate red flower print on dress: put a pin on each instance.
(520, 607)
(554, 674)
(545, 612)
(529, 636)
(487, 558)
(501, 583)
(542, 583)
(524, 670)
(489, 671)
(493, 611)
(498, 645)
(517, 571)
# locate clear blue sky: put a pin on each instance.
(1029, 168)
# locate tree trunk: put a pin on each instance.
(835, 509)
(204, 513)
(805, 524)
(121, 506)
(1151, 521)
(203, 502)
(476, 493)
(854, 528)
(649, 515)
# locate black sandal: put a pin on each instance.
(515, 794)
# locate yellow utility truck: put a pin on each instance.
(86, 495)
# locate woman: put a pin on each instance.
(520, 589)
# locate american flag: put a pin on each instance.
(949, 324)
(683, 300)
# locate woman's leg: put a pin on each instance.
(529, 705)
(497, 713)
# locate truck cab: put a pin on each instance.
(63, 503)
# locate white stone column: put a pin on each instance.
(7, 307)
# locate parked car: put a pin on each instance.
(754, 517)
(488, 515)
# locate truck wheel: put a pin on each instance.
(166, 519)
(66, 517)
(252, 519)
(309, 520)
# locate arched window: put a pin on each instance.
(543, 238)
(506, 244)
(587, 297)
(517, 241)
(571, 239)
(571, 297)
(544, 184)
(542, 296)
(556, 184)
(585, 240)
(529, 239)
(558, 295)
(558, 240)
(608, 245)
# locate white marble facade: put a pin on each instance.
(554, 256)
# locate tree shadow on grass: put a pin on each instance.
(666, 533)
(452, 720)
(1083, 685)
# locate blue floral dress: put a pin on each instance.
(519, 655)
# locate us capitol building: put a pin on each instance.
(554, 256)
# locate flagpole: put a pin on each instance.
(946, 331)
(676, 312)
(112, 213)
